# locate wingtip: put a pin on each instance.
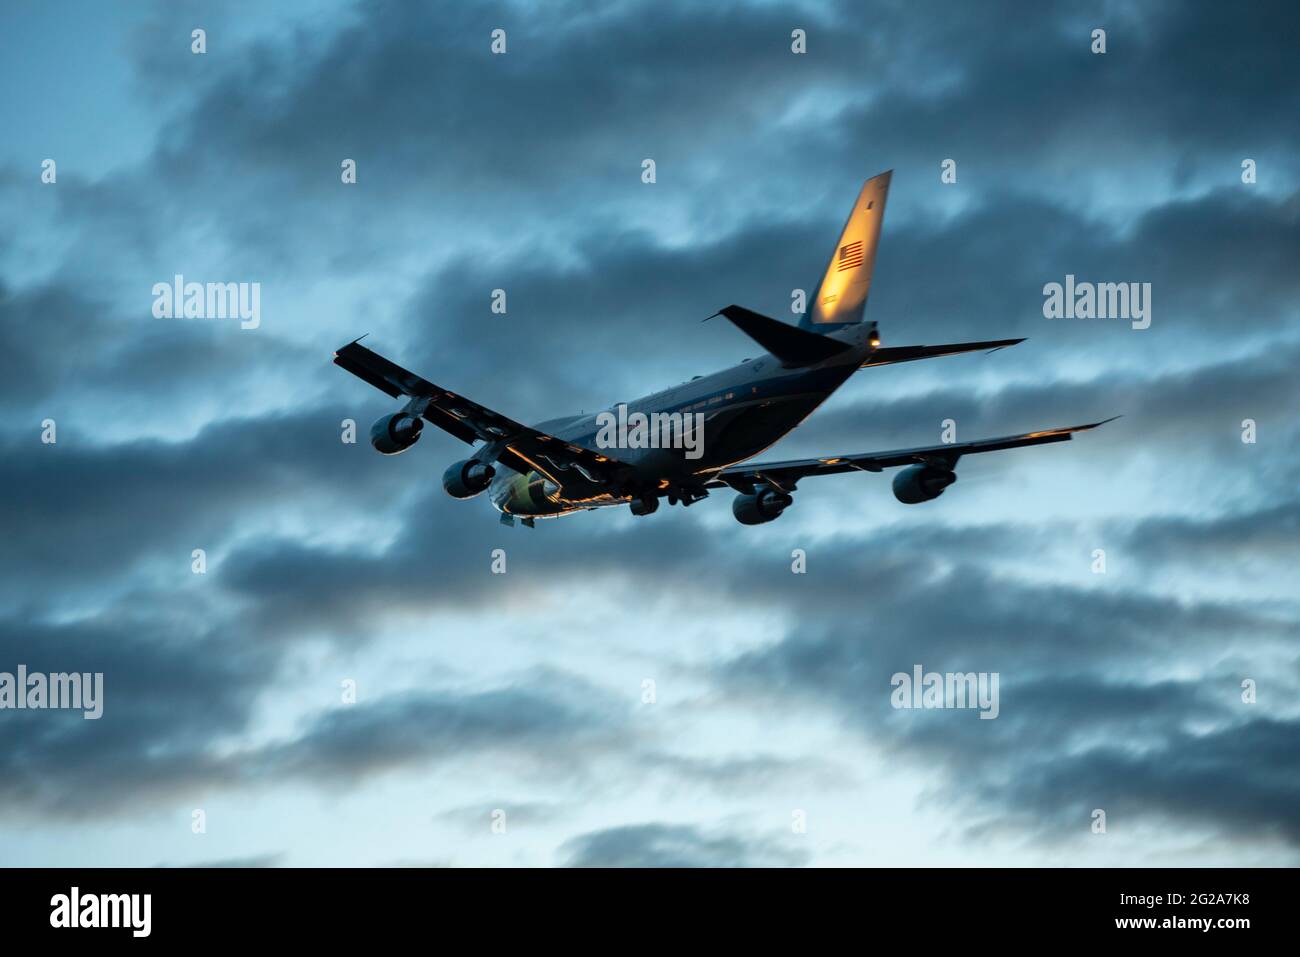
(1007, 344)
(352, 343)
(1093, 425)
(1069, 432)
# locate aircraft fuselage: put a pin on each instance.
(746, 408)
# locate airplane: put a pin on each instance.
(559, 467)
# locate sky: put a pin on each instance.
(348, 682)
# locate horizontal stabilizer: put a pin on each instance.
(792, 345)
(892, 354)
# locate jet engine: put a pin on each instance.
(466, 479)
(395, 433)
(921, 483)
(763, 506)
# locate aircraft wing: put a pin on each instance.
(784, 475)
(519, 446)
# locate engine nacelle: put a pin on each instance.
(921, 483)
(466, 479)
(763, 506)
(644, 504)
(395, 433)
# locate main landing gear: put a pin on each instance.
(648, 502)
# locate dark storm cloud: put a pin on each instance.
(1239, 781)
(923, 604)
(296, 589)
(528, 721)
(415, 95)
(1082, 723)
(423, 84)
(1271, 534)
(677, 845)
(34, 324)
(168, 704)
(73, 351)
(87, 512)
(582, 101)
(173, 687)
(1016, 103)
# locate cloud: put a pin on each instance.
(91, 510)
(668, 845)
(522, 172)
(174, 689)
(272, 859)
(169, 734)
(1090, 714)
(527, 721)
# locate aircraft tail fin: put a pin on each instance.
(841, 295)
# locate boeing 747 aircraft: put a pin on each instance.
(570, 464)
